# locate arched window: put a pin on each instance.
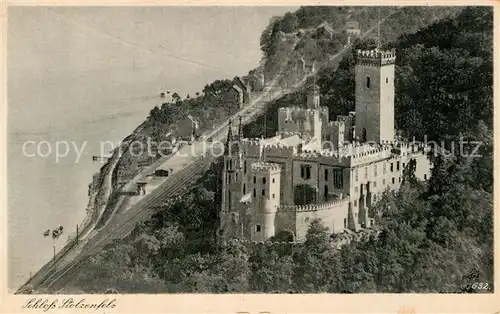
(387, 80)
(368, 83)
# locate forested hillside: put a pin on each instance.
(293, 36)
(436, 236)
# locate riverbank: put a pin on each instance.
(99, 191)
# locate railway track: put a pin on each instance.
(142, 210)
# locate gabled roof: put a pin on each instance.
(326, 26)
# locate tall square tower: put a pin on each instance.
(375, 95)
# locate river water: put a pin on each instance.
(84, 76)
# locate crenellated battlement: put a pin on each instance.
(336, 124)
(376, 57)
(314, 207)
(279, 150)
(265, 166)
(295, 110)
(348, 156)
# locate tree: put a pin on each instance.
(176, 97)
(288, 23)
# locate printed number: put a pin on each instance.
(480, 286)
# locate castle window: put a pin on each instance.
(374, 170)
(374, 184)
(366, 172)
(399, 179)
(229, 179)
(274, 196)
(245, 167)
(392, 166)
(273, 180)
(305, 172)
(263, 180)
(383, 182)
(325, 193)
(425, 177)
(254, 179)
(263, 192)
(387, 80)
(356, 175)
(393, 180)
(338, 178)
(384, 168)
(368, 83)
(374, 197)
(236, 176)
(326, 174)
(257, 228)
(255, 192)
(244, 188)
(397, 166)
(345, 222)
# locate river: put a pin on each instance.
(83, 76)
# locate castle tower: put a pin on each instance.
(231, 179)
(375, 95)
(265, 183)
(313, 97)
(314, 124)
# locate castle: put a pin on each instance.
(316, 168)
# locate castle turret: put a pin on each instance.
(231, 182)
(375, 95)
(313, 97)
(266, 199)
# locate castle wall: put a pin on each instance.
(367, 102)
(286, 220)
(387, 117)
(296, 119)
(333, 216)
(308, 177)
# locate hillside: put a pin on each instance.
(436, 236)
(293, 40)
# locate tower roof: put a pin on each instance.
(376, 56)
